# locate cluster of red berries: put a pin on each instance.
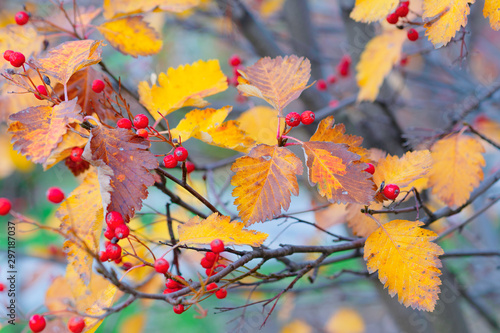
(116, 229)
(5, 206)
(55, 195)
(343, 70)
(180, 155)
(235, 62)
(16, 59)
(293, 119)
(22, 18)
(400, 12)
(37, 323)
(141, 122)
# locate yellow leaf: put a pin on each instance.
(339, 179)
(183, 86)
(228, 135)
(297, 326)
(372, 10)
(63, 149)
(362, 224)
(457, 168)
(491, 10)
(67, 58)
(134, 323)
(132, 35)
(264, 181)
(345, 320)
(378, 58)
(11, 160)
(445, 18)
(199, 120)
(278, 81)
(407, 262)
(403, 171)
(198, 231)
(261, 124)
(114, 8)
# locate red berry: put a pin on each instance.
(161, 266)
(7, 54)
(344, 65)
(5, 206)
(114, 251)
(124, 123)
(292, 119)
(178, 309)
(189, 167)
(180, 154)
(42, 91)
(307, 117)
(221, 293)
(211, 256)
(405, 3)
(234, 60)
(392, 18)
(17, 59)
(172, 284)
(141, 121)
(55, 195)
(109, 233)
(76, 324)
(76, 154)
(217, 246)
(391, 191)
(2, 287)
(122, 231)
(169, 161)
(205, 263)
(370, 169)
(412, 34)
(169, 291)
(37, 323)
(321, 85)
(103, 256)
(333, 103)
(331, 79)
(22, 18)
(402, 11)
(212, 286)
(142, 133)
(114, 219)
(98, 86)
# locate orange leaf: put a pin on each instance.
(339, 179)
(457, 168)
(278, 81)
(36, 131)
(115, 8)
(123, 161)
(407, 262)
(264, 180)
(67, 58)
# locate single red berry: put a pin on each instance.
(7, 54)
(234, 60)
(98, 86)
(5, 206)
(42, 91)
(221, 293)
(370, 169)
(142, 133)
(76, 324)
(2, 287)
(114, 219)
(178, 309)
(103, 256)
(344, 66)
(169, 161)
(331, 79)
(76, 154)
(211, 256)
(180, 154)
(55, 195)
(122, 231)
(141, 121)
(210, 272)
(124, 123)
(172, 284)
(161, 265)
(292, 119)
(109, 233)
(321, 85)
(405, 3)
(37, 323)
(392, 18)
(402, 11)
(22, 18)
(205, 263)
(217, 246)
(412, 34)
(189, 167)
(114, 251)
(212, 286)
(391, 191)
(17, 59)
(333, 103)
(307, 117)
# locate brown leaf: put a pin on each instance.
(123, 162)
(36, 131)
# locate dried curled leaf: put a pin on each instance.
(37, 131)
(67, 58)
(372, 10)
(198, 231)
(183, 86)
(278, 81)
(456, 169)
(339, 179)
(261, 124)
(131, 35)
(116, 8)
(123, 162)
(407, 262)
(264, 182)
(381, 53)
(491, 11)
